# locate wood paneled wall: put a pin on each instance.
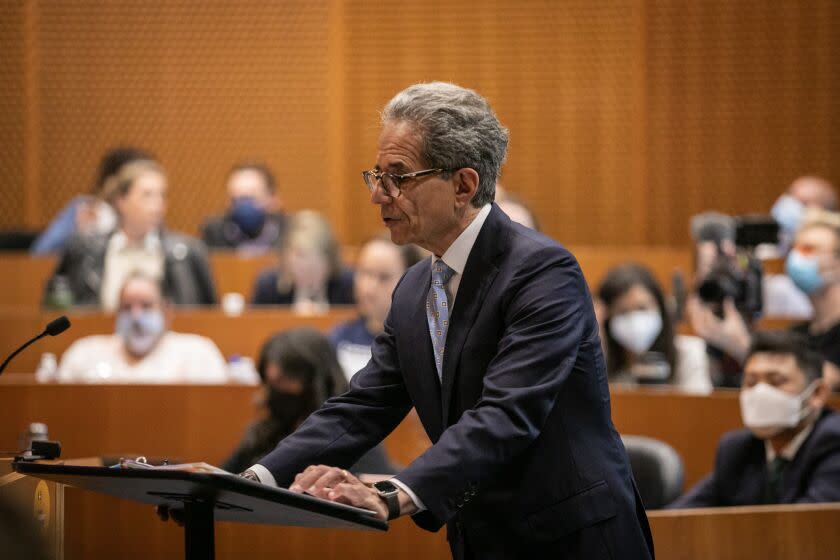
(626, 116)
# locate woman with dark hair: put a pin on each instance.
(299, 371)
(638, 334)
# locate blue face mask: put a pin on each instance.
(788, 211)
(248, 216)
(140, 332)
(804, 271)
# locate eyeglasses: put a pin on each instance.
(391, 183)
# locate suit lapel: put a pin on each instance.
(479, 273)
(424, 359)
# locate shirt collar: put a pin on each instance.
(789, 451)
(119, 241)
(458, 253)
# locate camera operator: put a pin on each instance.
(813, 265)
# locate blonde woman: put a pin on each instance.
(310, 276)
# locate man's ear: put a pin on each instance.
(821, 392)
(466, 184)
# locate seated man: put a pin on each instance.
(379, 267)
(143, 350)
(790, 451)
(252, 223)
(94, 267)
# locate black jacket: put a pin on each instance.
(188, 279)
(220, 232)
(740, 472)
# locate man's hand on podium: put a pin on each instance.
(339, 485)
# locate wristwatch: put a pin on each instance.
(389, 492)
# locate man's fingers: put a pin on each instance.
(303, 481)
(331, 478)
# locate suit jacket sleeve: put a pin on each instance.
(703, 494)
(824, 482)
(347, 426)
(548, 317)
(205, 286)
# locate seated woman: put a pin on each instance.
(638, 334)
(94, 267)
(87, 214)
(310, 276)
(299, 371)
(143, 349)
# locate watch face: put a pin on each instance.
(385, 487)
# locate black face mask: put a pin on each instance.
(285, 407)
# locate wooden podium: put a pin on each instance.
(206, 498)
(40, 503)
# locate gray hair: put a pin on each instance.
(458, 129)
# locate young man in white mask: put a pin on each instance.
(143, 349)
(790, 449)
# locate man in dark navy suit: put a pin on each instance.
(494, 342)
(790, 451)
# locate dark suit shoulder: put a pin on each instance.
(827, 429)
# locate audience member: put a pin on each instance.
(143, 349)
(379, 267)
(95, 266)
(813, 265)
(781, 297)
(252, 223)
(790, 449)
(310, 276)
(516, 209)
(299, 371)
(87, 213)
(638, 334)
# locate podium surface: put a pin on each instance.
(206, 498)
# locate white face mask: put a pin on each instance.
(636, 330)
(766, 410)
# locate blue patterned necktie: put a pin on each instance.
(437, 310)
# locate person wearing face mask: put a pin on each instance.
(96, 266)
(379, 267)
(299, 371)
(143, 349)
(807, 193)
(311, 276)
(253, 223)
(813, 266)
(790, 449)
(638, 334)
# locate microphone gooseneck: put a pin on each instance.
(56, 326)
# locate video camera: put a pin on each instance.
(735, 272)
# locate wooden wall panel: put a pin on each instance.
(741, 99)
(12, 112)
(200, 84)
(626, 116)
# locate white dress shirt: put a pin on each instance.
(176, 358)
(789, 451)
(456, 257)
(123, 259)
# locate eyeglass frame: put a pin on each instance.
(398, 179)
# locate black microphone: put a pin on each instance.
(56, 326)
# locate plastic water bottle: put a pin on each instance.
(241, 370)
(60, 295)
(47, 368)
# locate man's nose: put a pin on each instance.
(378, 196)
